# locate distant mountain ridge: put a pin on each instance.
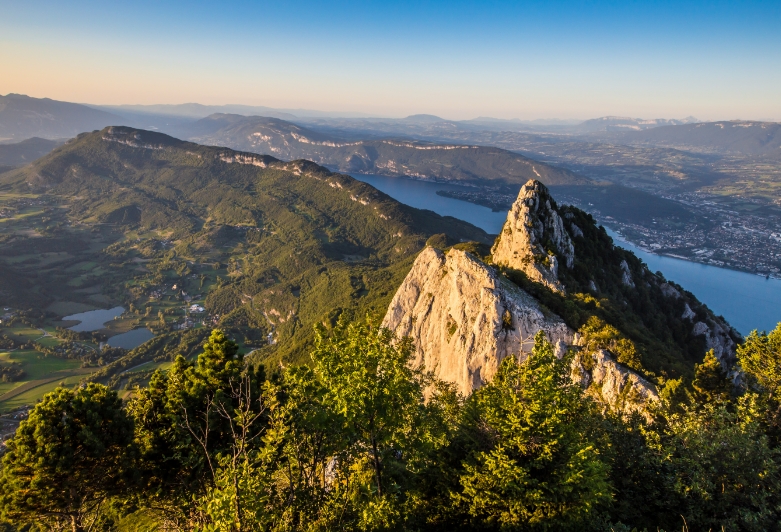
(393, 157)
(622, 123)
(23, 117)
(742, 137)
(197, 110)
(26, 151)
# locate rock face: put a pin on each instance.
(626, 275)
(532, 223)
(718, 334)
(465, 318)
(612, 384)
(717, 337)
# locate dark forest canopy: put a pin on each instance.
(358, 440)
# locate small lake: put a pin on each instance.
(747, 301)
(131, 339)
(94, 319)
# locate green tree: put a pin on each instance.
(597, 334)
(378, 397)
(722, 472)
(71, 455)
(184, 422)
(283, 482)
(344, 447)
(542, 468)
(760, 359)
(711, 383)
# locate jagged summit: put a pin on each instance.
(533, 235)
(553, 269)
(465, 318)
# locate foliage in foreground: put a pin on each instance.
(359, 440)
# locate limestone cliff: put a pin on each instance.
(465, 318)
(532, 224)
(718, 334)
(611, 383)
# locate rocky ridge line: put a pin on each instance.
(465, 318)
(532, 225)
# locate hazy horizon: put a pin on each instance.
(457, 60)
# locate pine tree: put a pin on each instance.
(73, 452)
(542, 468)
(711, 383)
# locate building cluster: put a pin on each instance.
(729, 239)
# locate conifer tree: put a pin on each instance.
(542, 468)
(711, 383)
(71, 454)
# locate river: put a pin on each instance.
(747, 301)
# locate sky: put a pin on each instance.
(455, 59)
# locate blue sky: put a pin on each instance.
(713, 60)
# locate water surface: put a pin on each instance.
(747, 301)
(131, 339)
(423, 195)
(93, 320)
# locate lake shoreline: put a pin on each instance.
(622, 238)
(746, 300)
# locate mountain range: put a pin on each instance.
(735, 137)
(477, 165)
(22, 117)
(25, 152)
(271, 248)
(267, 247)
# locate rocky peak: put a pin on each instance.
(533, 236)
(465, 318)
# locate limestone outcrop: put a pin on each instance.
(612, 384)
(718, 334)
(717, 337)
(465, 318)
(531, 224)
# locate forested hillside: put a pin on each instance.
(120, 216)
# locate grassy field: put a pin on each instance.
(49, 341)
(21, 334)
(43, 374)
(25, 213)
(150, 366)
(35, 393)
(38, 366)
